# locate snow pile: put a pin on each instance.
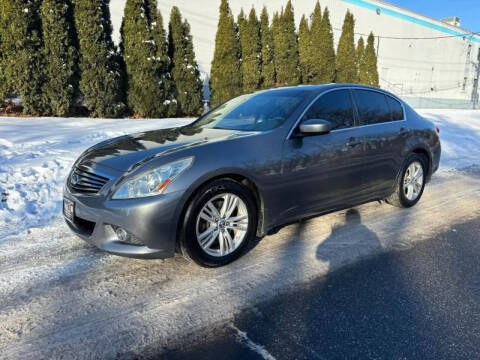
(460, 136)
(36, 155)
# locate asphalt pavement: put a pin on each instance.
(421, 303)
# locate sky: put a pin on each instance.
(467, 10)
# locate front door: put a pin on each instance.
(323, 172)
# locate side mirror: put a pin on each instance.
(315, 126)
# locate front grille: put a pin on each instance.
(85, 181)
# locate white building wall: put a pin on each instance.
(433, 68)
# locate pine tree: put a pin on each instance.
(326, 54)
(226, 77)
(166, 88)
(251, 53)
(316, 47)
(286, 49)
(144, 93)
(184, 66)
(241, 22)
(371, 62)
(21, 49)
(2, 76)
(362, 68)
(346, 62)
(60, 56)
(268, 64)
(101, 77)
(305, 50)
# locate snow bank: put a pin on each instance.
(36, 155)
(460, 136)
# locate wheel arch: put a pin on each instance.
(235, 176)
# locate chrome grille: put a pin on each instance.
(85, 181)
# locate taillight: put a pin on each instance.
(438, 129)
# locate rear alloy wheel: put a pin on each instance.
(411, 183)
(219, 223)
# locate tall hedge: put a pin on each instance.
(371, 62)
(362, 68)
(346, 61)
(251, 53)
(226, 77)
(286, 49)
(60, 55)
(268, 61)
(21, 48)
(184, 66)
(101, 77)
(305, 50)
(326, 52)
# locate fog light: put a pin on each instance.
(122, 234)
(126, 237)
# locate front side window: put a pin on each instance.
(254, 112)
(372, 107)
(395, 108)
(335, 107)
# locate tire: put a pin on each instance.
(232, 237)
(401, 197)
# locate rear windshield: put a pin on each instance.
(254, 112)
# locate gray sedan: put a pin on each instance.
(250, 165)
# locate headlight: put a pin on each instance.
(152, 182)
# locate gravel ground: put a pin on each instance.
(61, 298)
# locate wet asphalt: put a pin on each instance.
(421, 303)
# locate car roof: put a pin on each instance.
(323, 87)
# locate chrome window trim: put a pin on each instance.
(289, 135)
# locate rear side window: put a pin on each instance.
(372, 107)
(395, 108)
(336, 107)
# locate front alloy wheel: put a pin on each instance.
(219, 222)
(222, 224)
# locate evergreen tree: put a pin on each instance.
(21, 49)
(2, 77)
(251, 53)
(60, 56)
(101, 76)
(268, 64)
(241, 22)
(166, 88)
(316, 47)
(226, 77)
(184, 66)
(144, 93)
(362, 68)
(326, 54)
(346, 62)
(286, 49)
(371, 62)
(305, 50)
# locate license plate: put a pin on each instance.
(68, 209)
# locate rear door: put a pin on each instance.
(382, 130)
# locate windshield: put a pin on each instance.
(253, 112)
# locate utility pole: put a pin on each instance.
(475, 82)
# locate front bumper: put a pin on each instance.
(152, 220)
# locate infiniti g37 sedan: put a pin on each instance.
(248, 166)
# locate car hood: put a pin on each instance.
(125, 152)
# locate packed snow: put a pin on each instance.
(36, 155)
